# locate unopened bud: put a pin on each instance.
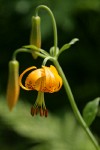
(35, 38)
(13, 84)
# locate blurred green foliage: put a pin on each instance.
(81, 64)
(91, 110)
(21, 131)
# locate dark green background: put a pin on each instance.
(81, 63)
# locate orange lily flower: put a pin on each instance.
(45, 79)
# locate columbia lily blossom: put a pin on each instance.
(45, 79)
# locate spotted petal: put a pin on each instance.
(21, 76)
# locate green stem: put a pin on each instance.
(74, 106)
(41, 55)
(53, 22)
(20, 50)
(36, 49)
(28, 51)
(46, 59)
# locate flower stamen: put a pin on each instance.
(39, 106)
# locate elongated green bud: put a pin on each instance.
(13, 84)
(35, 38)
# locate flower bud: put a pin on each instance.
(35, 38)
(13, 84)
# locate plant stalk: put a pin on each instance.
(53, 23)
(74, 106)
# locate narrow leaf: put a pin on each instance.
(73, 41)
(33, 47)
(66, 46)
(90, 111)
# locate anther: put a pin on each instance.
(46, 113)
(41, 112)
(32, 111)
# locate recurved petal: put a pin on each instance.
(33, 77)
(53, 69)
(53, 80)
(40, 84)
(58, 82)
(58, 79)
(21, 76)
(48, 80)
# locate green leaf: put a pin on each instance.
(73, 41)
(31, 47)
(66, 46)
(90, 111)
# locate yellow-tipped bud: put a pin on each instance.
(35, 38)
(13, 84)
